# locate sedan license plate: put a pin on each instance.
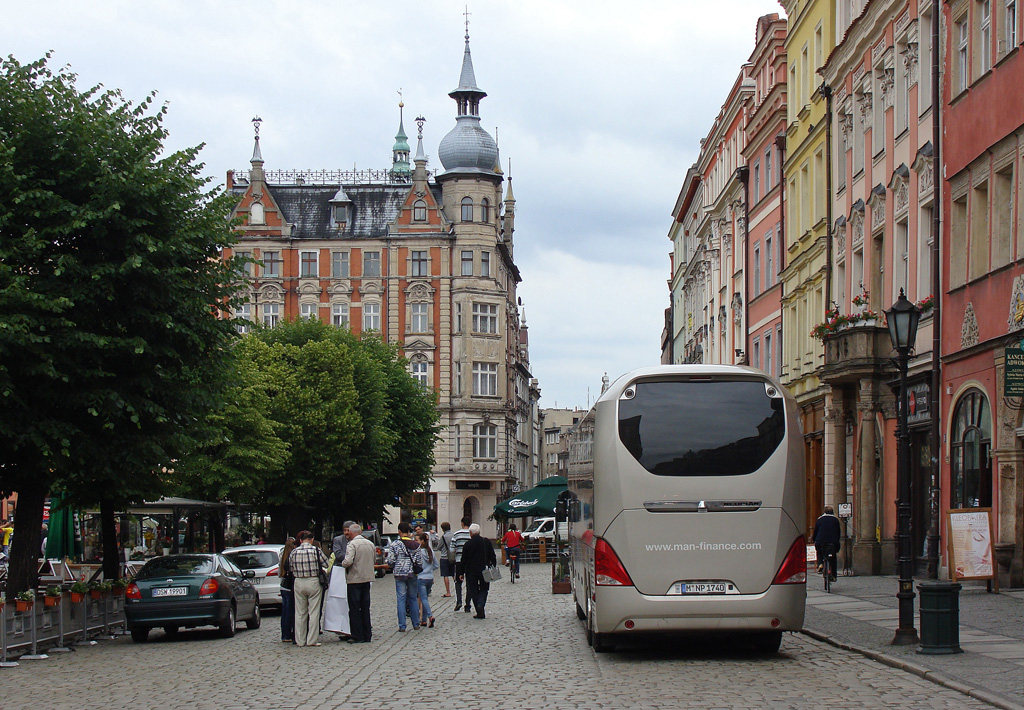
(170, 592)
(699, 588)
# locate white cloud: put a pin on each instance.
(600, 104)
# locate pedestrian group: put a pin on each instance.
(332, 594)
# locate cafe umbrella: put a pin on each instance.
(62, 537)
(537, 501)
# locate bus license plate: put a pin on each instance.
(699, 588)
(171, 592)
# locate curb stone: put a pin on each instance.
(920, 671)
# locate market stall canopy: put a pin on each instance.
(539, 500)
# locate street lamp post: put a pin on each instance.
(902, 319)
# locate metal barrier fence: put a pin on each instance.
(26, 635)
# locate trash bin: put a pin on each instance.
(940, 617)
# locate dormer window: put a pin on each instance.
(419, 211)
(341, 214)
(467, 209)
(341, 208)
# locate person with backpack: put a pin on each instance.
(406, 561)
(446, 556)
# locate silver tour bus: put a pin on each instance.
(686, 491)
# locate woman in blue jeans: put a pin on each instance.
(402, 554)
(426, 579)
(287, 597)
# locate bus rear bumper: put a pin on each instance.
(780, 608)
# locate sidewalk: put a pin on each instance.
(861, 614)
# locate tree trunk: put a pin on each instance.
(23, 570)
(108, 532)
(217, 531)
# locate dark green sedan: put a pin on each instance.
(186, 591)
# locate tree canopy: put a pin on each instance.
(111, 344)
(333, 425)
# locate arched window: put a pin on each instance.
(467, 209)
(970, 462)
(485, 210)
(419, 211)
(256, 213)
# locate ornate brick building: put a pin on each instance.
(427, 261)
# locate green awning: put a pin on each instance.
(539, 500)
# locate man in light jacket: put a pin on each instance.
(358, 564)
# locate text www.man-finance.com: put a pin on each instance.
(702, 546)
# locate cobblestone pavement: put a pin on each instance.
(529, 653)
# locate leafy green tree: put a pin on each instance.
(110, 285)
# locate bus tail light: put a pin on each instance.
(608, 568)
(794, 567)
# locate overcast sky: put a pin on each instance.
(600, 105)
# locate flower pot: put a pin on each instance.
(22, 606)
(77, 597)
(51, 601)
(167, 551)
(561, 587)
(96, 594)
(118, 591)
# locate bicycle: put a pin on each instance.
(828, 569)
(513, 563)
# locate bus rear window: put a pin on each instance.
(701, 428)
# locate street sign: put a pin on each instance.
(516, 488)
(1013, 372)
(846, 510)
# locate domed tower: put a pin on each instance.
(471, 186)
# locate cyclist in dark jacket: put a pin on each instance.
(827, 533)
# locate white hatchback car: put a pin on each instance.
(265, 561)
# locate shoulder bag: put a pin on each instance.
(416, 566)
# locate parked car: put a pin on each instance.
(176, 591)
(540, 528)
(379, 567)
(385, 543)
(265, 561)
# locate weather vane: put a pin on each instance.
(401, 100)
(256, 121)
(467, 13)
(419, 123)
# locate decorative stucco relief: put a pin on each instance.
(969, 329)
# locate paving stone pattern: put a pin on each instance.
(529, 653)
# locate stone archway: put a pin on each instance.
(471, 508)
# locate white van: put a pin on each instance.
(540, 528)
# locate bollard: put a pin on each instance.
(4, 663)
(60, 647)
(34, 655)
(940, 618)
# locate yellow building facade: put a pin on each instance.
(805, 283)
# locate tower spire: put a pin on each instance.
(468, 147)
(400, 151)
(257, 156)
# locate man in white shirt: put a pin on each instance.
(460, 538)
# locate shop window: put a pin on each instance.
(970, 462)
